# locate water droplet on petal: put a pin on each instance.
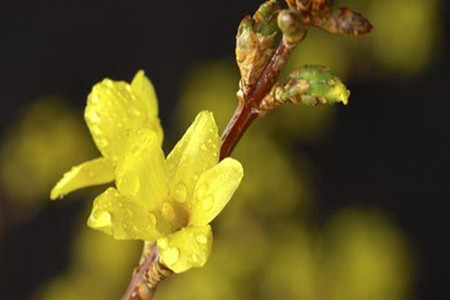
(208, 202)
(94, 117)
(109, 83)
(195, 177)
(163, 243)
(201, 239)
(101, 219)
(202, 191)
(131, 184)
(94, 98)
(135, 149)
(181, 193)
(103, 143)
(152, 218)
(171, 256)
(168, 212)
(193, 258)
(203, 147)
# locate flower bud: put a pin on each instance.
(310, 85)
(255, 43)
(312, 7)
(346, 22)
(290, 22)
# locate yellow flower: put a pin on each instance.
(170, 200)
(114, 110)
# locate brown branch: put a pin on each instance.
(147, 276)
(249, 109)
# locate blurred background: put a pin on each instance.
(337, 202)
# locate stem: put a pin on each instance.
(248, 110)
(147, 276)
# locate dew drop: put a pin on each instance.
(194, 258)
(181, 193)
(94, 117)
(203, 147)
(202, 191)
(171, 256)
(136, 112)
(135, 149)
(94, 98)
(102, 219)
(96, 130)
(163, 243)
(131, 184)
(109, 83)
(208, 202)
(168, 211)
(201, 239)
(195, 177)
(152, 218)
(103, 143)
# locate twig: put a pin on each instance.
(147, 276)
(248, 109)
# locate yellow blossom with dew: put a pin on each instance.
(114, 110)
(170, 200)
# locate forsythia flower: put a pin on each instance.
(114, 109)
(169, 200)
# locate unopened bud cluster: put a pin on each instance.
(257, 40)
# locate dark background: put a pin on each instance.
(398, 154)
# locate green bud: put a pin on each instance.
(265, 18)
(323, 84)
(310, 85)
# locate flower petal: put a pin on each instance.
(115, 109)
(214, 189)
(196, 152)
(141, 171)
(187, 248)
(93, 172)
(144, 90)
(122, 217)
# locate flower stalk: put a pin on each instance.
(148, 275)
